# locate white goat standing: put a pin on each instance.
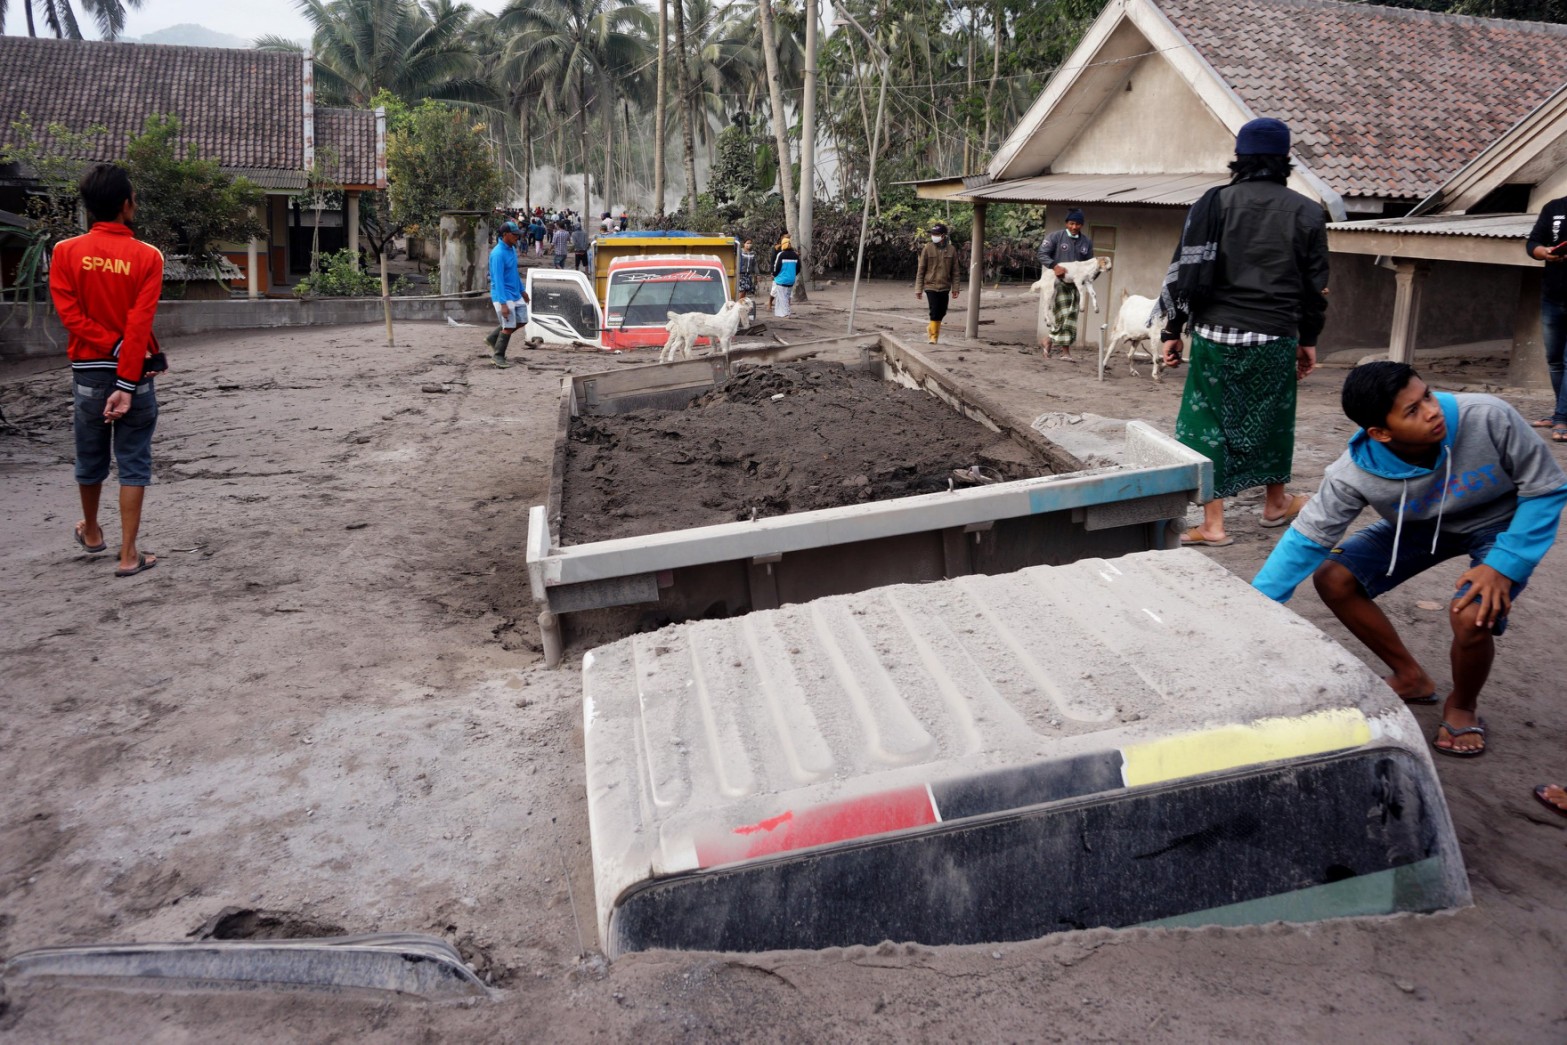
(685, 327)
(1138, 325)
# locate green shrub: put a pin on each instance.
(340, 277)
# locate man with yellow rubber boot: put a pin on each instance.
(936, 278)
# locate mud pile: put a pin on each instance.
(792, 437)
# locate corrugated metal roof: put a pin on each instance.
(1173, 190)
(270, 179)
(720, 723)
(1488, 226)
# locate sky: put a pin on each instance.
(249, 20)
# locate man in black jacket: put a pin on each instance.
(1250, 275)
(1548, 243)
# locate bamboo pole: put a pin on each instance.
(386, 301)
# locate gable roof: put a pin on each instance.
(1532, 151)
(1382, 102)
(242, 108)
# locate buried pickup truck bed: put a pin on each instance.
(1137, 741)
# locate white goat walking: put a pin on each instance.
(1138, 325)
(685, 327)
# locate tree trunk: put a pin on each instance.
(968, 122)
(688, 132)
(808, 150)
(607, 187)
(865, 119)
(582, 129)
(660, 107)
(27, 5)
(527, 158)
(780, 129)
(995, 72)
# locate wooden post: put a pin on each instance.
(352, 220)
(1526, 364)
(386, 301)
(252, 273)
(1411, 277)
(976, 272)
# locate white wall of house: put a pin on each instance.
(1548, 189)
(1154, 124)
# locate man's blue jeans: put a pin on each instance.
(1553, 324)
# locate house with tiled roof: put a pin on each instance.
(252, 111)
(1385, 106)
(1478, 220)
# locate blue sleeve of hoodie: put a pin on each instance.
(1532, 532)
(1294, 558)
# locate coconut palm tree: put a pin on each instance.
(517, 87)
(724, 66)
(581, 47)
(415, 50)
(60, 16)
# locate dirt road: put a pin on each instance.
(327, 701)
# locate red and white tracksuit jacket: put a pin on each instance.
(105, 286)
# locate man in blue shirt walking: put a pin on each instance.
(506, 293)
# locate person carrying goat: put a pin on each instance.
(1063, 245)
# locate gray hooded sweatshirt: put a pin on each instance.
(1493, 471)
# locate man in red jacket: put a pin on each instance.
(105, 287)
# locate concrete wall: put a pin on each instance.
(46, 337)
(1153, 125)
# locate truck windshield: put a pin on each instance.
(644, 297)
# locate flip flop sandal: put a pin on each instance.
(90, 549)
(1193, 538)
(1455, 734)
(1543, 422)
(1429, 698)
(1297, 502)
(1559, 434)
(141, 564)
(1539, 794)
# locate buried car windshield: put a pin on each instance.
(645, 296)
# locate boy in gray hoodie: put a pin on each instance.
(1450, 475)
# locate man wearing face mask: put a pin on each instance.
(1068, 244)
(936, 277)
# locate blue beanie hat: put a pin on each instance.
(1263, 137)
(1075, 215)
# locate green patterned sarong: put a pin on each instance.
(1063, 315)
(1239, 410)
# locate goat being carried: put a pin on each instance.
(685, 327)
(1081, 274)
